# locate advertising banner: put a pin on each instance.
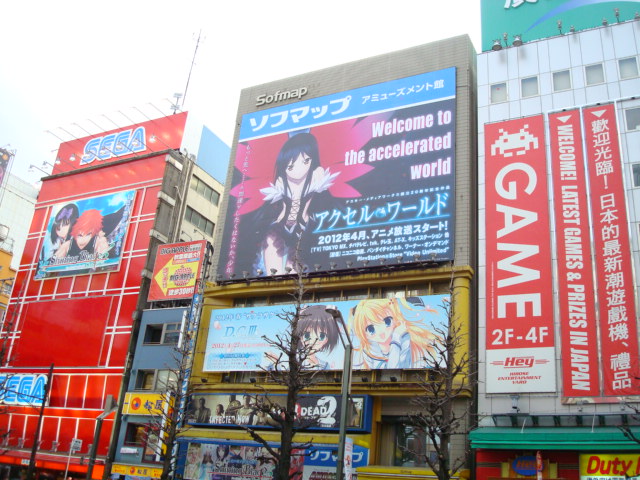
(225, 460)
(143, 404)
(318, 412)
(389, 333)
(361, 176)
(614, 278)
(578, 324)
(605, 466)
(536, 19)
(85, 236)
(176, 270)
(153, 136)
(520, 343)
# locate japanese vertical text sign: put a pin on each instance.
(176, 270)
(619, 337)
(361, 176)
(580, 375)
(520, 343)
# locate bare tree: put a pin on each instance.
(443, 411)
(289, 369)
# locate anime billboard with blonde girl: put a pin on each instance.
(391, 333)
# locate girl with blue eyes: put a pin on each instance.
(319, 333)
(391, 333)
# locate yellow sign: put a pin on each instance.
(143, 404)
(609, 466)
(136, 470)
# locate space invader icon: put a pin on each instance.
(520, 142)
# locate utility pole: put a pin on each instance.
(36, 435)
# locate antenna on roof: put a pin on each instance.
(179, 105)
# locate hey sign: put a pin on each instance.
(176, 270)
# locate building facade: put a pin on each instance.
(363, 174)
(111, 199)
(559, 211)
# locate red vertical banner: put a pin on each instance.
(520, 346)
(578, 323)
(618, 330)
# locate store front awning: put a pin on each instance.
(554, 438)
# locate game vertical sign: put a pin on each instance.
(617, 313)
(580, 375)
(519, 316)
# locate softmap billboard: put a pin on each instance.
(389, 333)
(346, 179)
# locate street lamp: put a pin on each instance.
(346, 386)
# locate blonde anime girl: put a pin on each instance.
(391, 333)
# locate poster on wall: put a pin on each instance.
(520, 350)
(350, 179)
(387, 333)
(85, 236)
(613, 271)
(176, 270)
(224, 460)
(318, 412)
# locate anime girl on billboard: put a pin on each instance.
(319, 333)
(391, 333)
(290, 200)
(60, 232)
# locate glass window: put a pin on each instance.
(205, 190)
(498, 92)
(529, 86)
(561, 80)
(145, 379)
(635, 169)
(594, 74)
(167, 334)
(628, 67)
(632, 115)
(166, 379)
(136, 434)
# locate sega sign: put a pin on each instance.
(23, 388)
(114, 145)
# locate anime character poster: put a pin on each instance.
(386, 333)
(361, 176)
(230, 461)
(85, 236)
(317, 412)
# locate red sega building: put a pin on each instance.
(98, 220)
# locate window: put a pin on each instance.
(628, 67)
(156, 380)
(167, 334)
(411, 444)
(561, 80)
(138, 435)
(205, 190)
(635, 169)
(199, 221)
(594, 74)
(498, 92)
(632, 116)
(529, 87)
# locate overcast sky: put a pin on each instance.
(73, 67)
